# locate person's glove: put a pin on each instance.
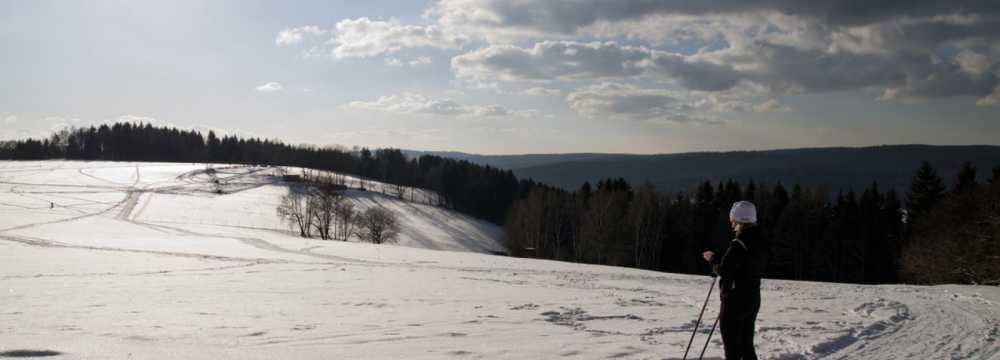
(709, 256)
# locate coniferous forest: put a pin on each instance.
(931, 234)
(945, 236)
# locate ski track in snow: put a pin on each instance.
(124, 260)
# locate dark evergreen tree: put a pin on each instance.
(966, 179)
(585, 191)
(776, 204)
(870, 249)
(887, 258)
(926, 190)
(750, 192)
(214, 147)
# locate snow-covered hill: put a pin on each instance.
(119, 260)
(126, 200)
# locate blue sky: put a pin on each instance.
(510, 77)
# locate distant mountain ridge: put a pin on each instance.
(836, 168)
(513, 162)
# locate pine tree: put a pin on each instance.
(705, 193)
(873, 234)
(214, 153)
(731, 193)
(779, 199)
(966, 179)
(925, 191)
(585, 192)
(750, 192)
(890, 248)
(996, 175)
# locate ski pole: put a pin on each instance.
(698, 322)
(710, 333)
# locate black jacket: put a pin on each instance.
(742, 264)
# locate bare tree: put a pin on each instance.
(395, 190)
(339, 179)
(294, 209)
(644, 216)
(322, 203)
(344, 215)
(378, 225)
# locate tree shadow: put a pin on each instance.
(28, 353)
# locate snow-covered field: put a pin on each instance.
(145, 261)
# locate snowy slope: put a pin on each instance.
(145, 261)
(154, 198)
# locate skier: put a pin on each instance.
(740, 268)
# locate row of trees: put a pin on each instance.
(953, 237)
(813, 235)
(322, 211)
(481, 191)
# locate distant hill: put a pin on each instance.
(834, 168)
(514, 162)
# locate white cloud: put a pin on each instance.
(395, 62)
(722, 58)
(10, 119)
(294, 36)
(973, 62)
(623, 101)
(549, 61)
(992, 99)
(770, 68)
(771, 105)
(924, 51)
(722, 103)
(269, 87)
(736, 102)
(422, 60)
(555, 18)
(541, 91)
(363, 37)
(410, 103)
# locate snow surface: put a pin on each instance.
(147, 261)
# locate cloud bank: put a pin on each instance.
(679, 61)
(909, 50)
(411, 103)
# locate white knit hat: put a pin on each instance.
(743, 212)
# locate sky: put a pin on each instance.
(512, 77)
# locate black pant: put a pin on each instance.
(737, 319)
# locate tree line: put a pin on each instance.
(955, 235)
(481, 191)
(875, 236)
(929, 235)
